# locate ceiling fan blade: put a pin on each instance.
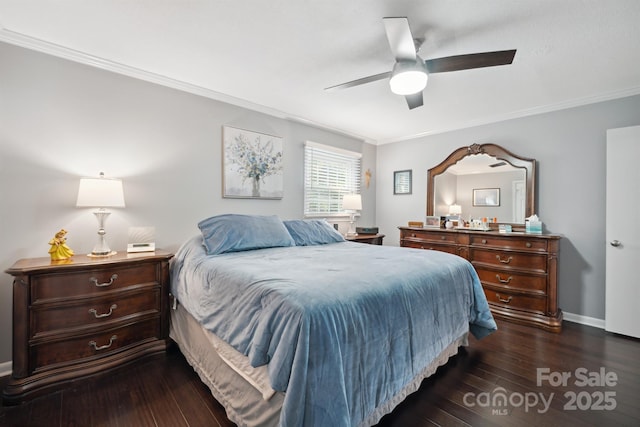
(361, 81)
(414, 100)
(400, 38)
(472, 60)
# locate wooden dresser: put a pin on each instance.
(518, 271)
(84, 316)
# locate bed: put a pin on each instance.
(290, 325)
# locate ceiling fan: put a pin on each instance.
(410, 72)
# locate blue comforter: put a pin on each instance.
(343, 327)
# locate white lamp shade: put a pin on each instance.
(100, 193)
(352, 202)
(455, 210)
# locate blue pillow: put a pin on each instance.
(234, 233)
(307, 232)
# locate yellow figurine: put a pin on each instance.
(59, 249)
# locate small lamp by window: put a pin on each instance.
(100, 193)
(352, 203)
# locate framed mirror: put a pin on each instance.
(468, 171)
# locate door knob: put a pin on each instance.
(615, 243)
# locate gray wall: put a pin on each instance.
(569, 146)
(61, 120)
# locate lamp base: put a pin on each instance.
(352, 226)
(92, 255)
(101, 248)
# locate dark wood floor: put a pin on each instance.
(164, 391)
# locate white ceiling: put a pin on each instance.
(277, 56)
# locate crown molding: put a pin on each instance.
(32, 43)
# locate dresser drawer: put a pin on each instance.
(516, 301)
(95, 311)
(518, 243)
(513, 280)
(452, 249)
(89, 282)
(508, 260)
(80, 347)
(430, 236)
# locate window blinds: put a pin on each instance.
(329, 174)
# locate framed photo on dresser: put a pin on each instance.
(432, 222)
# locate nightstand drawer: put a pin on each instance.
(97, 311)
(517, 301)
(66, 285)
(80, 347)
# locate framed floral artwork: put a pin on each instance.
(251, 164)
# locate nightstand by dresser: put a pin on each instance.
(84, 316)
(371, 239)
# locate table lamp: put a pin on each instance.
(100, 193)
(455, 210)
(352, 203)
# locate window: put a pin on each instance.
(329, 174)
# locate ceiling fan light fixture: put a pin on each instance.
(408, 78)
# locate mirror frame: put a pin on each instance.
(529, 165)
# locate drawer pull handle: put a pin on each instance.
(98, 316)
(505, 260)
(103, 347)
(443, 237)
(501, 280)
(484, 241)
(102, 285)
(528, 244)
(506, 301)
(413, 234)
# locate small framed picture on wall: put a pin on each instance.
(486, 197)
(402, 182)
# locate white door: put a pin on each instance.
(519, 196)
(623, 231)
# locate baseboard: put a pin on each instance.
(584, 320)
(5, 369)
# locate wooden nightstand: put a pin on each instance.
(372, 239)
(84, 316)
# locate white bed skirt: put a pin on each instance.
(245, 404)
(256, 405)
